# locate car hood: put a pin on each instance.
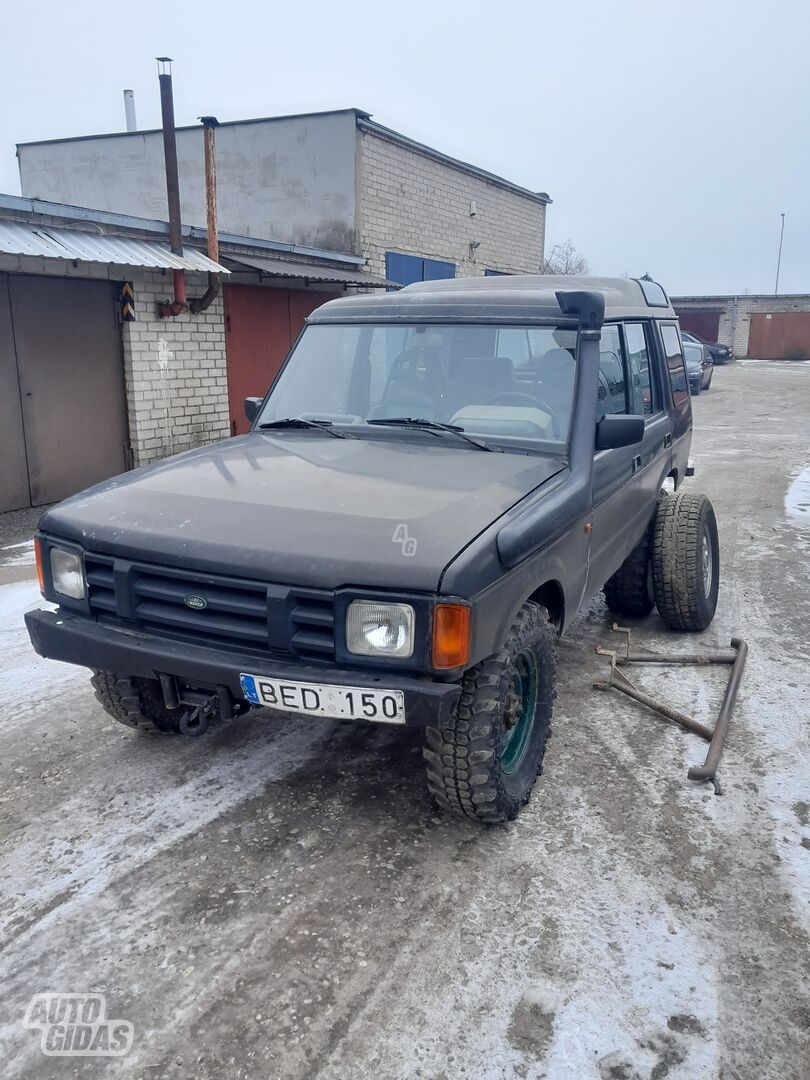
(305, 508)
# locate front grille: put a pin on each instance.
(231, 613)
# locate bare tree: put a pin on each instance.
(565, 259)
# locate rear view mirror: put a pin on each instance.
(617, 429)
(252, 406)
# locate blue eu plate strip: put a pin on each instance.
(249, 688)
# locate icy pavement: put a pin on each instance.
(280, 899)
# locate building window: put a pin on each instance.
(406, 269)
(497, 273)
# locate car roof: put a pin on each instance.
(508, 297)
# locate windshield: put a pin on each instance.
(505, 384)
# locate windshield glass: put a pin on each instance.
(502, 383)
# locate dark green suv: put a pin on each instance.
(435, 482)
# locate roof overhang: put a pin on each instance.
(281, 268)
(22, 238)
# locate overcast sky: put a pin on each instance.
(670, 136)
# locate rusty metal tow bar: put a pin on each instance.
(715, 736)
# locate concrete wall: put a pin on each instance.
(736, 312)
(413, 203)
(289, 179)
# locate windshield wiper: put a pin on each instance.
(299, 422)
(434, 426)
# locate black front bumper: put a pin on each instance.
(76, 640)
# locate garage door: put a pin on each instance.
(706, 324)
(63, 423)
(784, 335)
(260, 326)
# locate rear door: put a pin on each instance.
(647, 400)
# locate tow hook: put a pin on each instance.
(198, 707)
(195, 722)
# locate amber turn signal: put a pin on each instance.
(451, 635)
(38, 558)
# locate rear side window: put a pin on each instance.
(612, 394)
(675, 365)
(643, 391)
(653, 293)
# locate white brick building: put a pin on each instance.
(310, 207)
(761, 327)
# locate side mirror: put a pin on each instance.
(618, 429)
(252, 406)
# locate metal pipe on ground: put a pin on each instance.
(708, 770)
(179, 304)
(209, 124)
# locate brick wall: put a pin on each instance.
(176, 377)
(413, 203)
(174, 369)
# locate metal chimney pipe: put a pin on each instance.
(209, 124)
(172, 183)
(129, 110)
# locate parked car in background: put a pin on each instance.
(699, 366)
(720, 354)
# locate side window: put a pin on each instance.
(675, 365)
(612, 393)
(643, 391)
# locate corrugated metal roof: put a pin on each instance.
(19, 238)
(280, 268)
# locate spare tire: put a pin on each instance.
(685, 561)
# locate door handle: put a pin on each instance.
(667, 441)
(636, 463)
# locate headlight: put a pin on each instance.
(67, 573)
(379, 629)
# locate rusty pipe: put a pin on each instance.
(209, 144)
(619, 681)
(172, 185)
(707, 770)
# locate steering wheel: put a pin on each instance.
(515, 397)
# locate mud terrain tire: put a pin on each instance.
(629, 591)
(685, 561)
(483, 763)
(137, 703)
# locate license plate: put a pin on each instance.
(319, 699)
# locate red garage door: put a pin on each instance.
(784, 335)
(260, 326)
(706, 324)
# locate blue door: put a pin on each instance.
(406, 269)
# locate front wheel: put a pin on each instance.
(483, 763)
(685, 561)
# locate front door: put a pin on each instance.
(612, 469)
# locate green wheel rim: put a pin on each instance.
(518, 716)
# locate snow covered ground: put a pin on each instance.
(281, 899)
